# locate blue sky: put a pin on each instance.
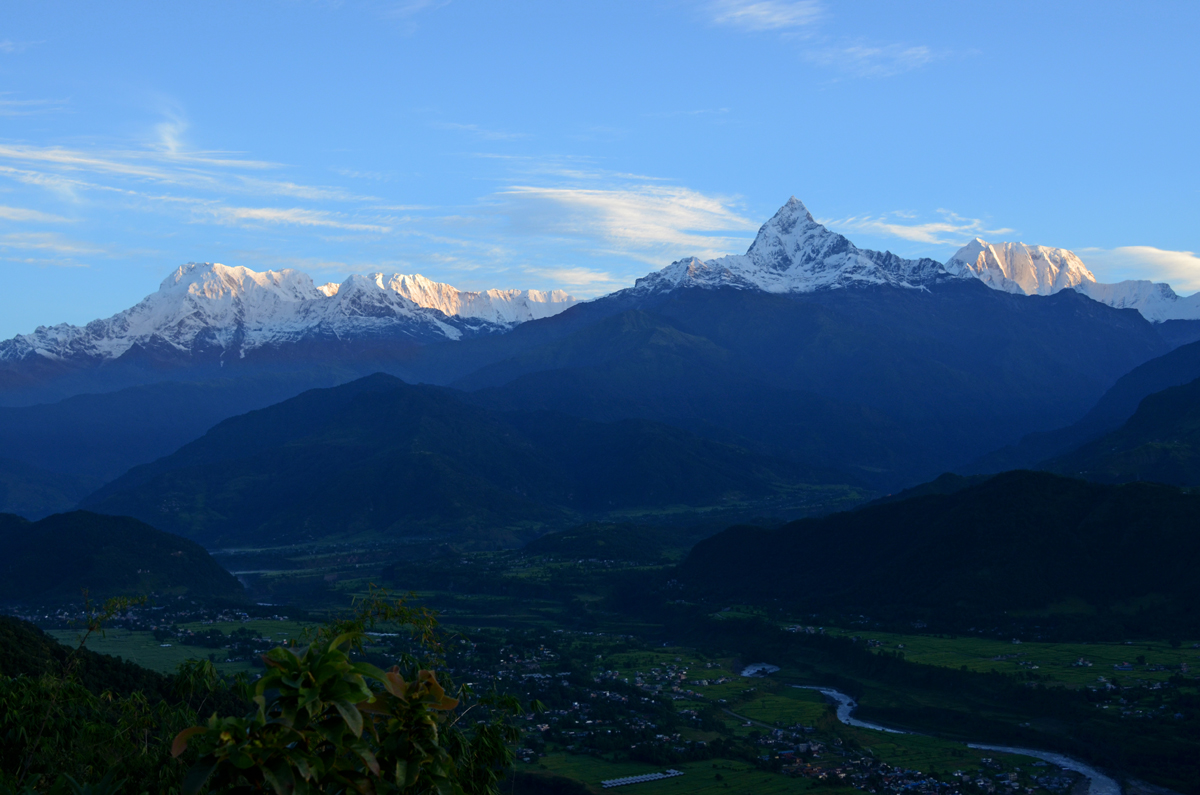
(578, 145)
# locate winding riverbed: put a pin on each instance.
(1098, 783)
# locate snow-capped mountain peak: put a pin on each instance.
(792, 237)
(209, 307)
(1041, 270)
(503, 307)
(1018, 268)
(792, 253)
(214, 280)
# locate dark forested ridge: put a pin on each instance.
(1117, 558)
(897, 385)
(378, 456)
(52, 559)
(1160, 443)
(27, 651)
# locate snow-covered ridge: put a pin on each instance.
(794, 254)
(1018, 268)
(505, 307)
(1040, 270)
(212, 307)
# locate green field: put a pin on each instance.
(1055, 661)
(736, 777)
(781, 705)
(786, 707)
(142, 648)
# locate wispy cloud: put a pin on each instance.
(408, 8)
(952, 229)
(22, 214)
(47, 241)
(1180, 269)
(75, 160)
(584, 281)
(861, 60)
(806, 20)
(166, 161)
(475, 129)
(294, 216)
(55, 262)
(298, 191)
(10, 47)
(651, 223)
(766, 14)
(30, 107)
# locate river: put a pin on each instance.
(1098, 783)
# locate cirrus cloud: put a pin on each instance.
(295, 215)
(767, 14)
(952, 230)
(651, 223)
(23, 214)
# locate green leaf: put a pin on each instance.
(366, 669)
(194, 781)
(351, 715)
(280, 779)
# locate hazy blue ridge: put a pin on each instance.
(379, 457)
(1159, 443)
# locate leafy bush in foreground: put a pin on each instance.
(319, 722)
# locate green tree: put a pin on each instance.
(55, 732)
(320, 721)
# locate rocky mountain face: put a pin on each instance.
(1018, 268)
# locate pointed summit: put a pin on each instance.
(794, 254)
(792, 237)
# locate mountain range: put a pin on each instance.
(848, 365)
(1039, 270)
(210, 314)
